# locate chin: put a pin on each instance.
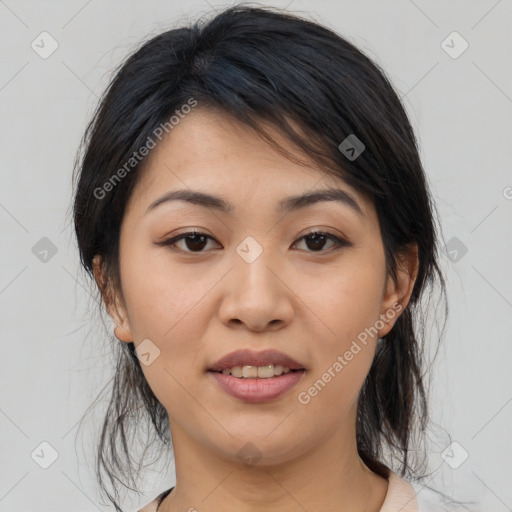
(258, 448)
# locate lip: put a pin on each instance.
(256, 390)
(252, 358)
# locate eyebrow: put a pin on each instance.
(286, 205)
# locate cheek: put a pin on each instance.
(168, 308)
(346, 301)
(161, 298)
(346, 306)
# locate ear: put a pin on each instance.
(112, 302)
(397, 295)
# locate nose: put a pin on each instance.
(256, 295)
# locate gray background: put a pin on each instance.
(461, 108)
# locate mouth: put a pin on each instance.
(256, 377)
(268, 371)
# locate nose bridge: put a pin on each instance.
(255, 295)
(252, 267)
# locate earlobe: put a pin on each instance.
(122, 334)
(122, 330)
(398, 294)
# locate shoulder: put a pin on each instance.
(431, 501)
(153, 505)
(400, 496)
(411, 497)
(150, 507)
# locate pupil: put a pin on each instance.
(192, 242)
(316, 239)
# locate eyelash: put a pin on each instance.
(171, 242)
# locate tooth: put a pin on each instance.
(261, 372)
(249, 371)
(264, 372)
(278, 369)
(236, 371)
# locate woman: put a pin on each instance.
(251, 203)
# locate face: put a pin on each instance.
(255, 277)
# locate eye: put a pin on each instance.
(316, 240)
(195, 241)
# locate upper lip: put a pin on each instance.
(252, 358)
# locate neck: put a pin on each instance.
(327, 477)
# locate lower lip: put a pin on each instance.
(257, 390)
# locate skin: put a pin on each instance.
(304, 299)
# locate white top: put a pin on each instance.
(400, 496)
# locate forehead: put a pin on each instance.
(210, 151)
